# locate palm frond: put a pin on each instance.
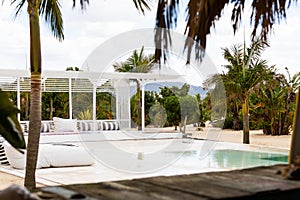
(19, 6)
(136, 63)
(83, 3)
(166, 19)
(50, 9)
(201, 17)
(236, 16)
(267, 13)
(141, 5)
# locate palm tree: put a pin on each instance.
(245, 71)
(136, 63)
(50, 10)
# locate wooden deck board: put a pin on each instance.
(192, 184)
(256, 183)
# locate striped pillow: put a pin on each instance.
(116, 125)
(110, 126)
(24, 127)
(105, 126)
(3, 158)
(86, 126)
(45, 127)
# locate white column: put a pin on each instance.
(94, 106)
(128, 103)
(143, 105)
(118, 115)
(70, 99)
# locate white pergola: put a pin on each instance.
(80, 81)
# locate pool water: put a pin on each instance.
(232, 159)
(174, 157)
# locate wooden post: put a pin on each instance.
(295, 143)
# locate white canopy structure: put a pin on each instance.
(80, 81)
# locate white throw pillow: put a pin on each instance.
(65, 125)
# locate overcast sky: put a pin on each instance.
(103, 19)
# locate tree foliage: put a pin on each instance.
(274, 103)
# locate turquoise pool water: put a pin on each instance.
(231, 159)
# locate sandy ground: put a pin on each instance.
(256, 138)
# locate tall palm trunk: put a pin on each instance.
(35, 95)
(236, 125)
(246, 138)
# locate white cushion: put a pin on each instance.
(48, 156)
(68, 155)
(65, 125)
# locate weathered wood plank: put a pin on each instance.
(257, 183)
(162, 192)
(197, 185)
(133, 189)
(234, 183)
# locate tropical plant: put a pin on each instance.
(85, 115)
(136, 63)
(106, 106)
(81, 101)
(61, 104)
(10, 127)
(274, 104)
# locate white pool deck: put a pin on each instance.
(123, 155)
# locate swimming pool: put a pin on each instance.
(129, 159)
(181, 156)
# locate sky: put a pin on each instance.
(103, 19)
